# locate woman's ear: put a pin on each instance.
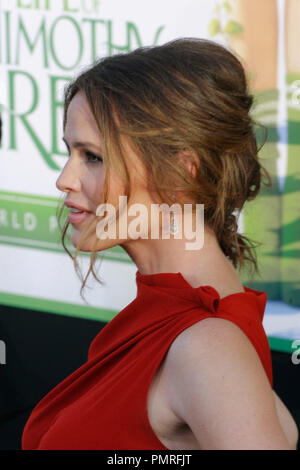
(190, 160)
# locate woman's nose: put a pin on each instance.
(69, 179)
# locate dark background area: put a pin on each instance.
(42, 349)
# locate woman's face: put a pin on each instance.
(82, 178)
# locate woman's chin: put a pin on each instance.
(91, 244)
(86, 245)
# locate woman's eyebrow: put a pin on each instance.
(79, 144)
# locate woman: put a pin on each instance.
(186, 365)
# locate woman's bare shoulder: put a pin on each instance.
(215, 378)
(206, 339)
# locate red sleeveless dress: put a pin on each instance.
(103, 404)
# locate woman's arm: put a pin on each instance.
(287, 421)
(218, 386)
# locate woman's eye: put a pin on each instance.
(93, 158)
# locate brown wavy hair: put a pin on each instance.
(187, 94)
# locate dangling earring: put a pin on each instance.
(173, 224)
(173, 220)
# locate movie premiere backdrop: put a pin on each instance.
(43, 43)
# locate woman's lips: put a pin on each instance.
(77, 213)
(78, 217)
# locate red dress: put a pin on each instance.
(103, 404)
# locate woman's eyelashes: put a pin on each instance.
(92, 157)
